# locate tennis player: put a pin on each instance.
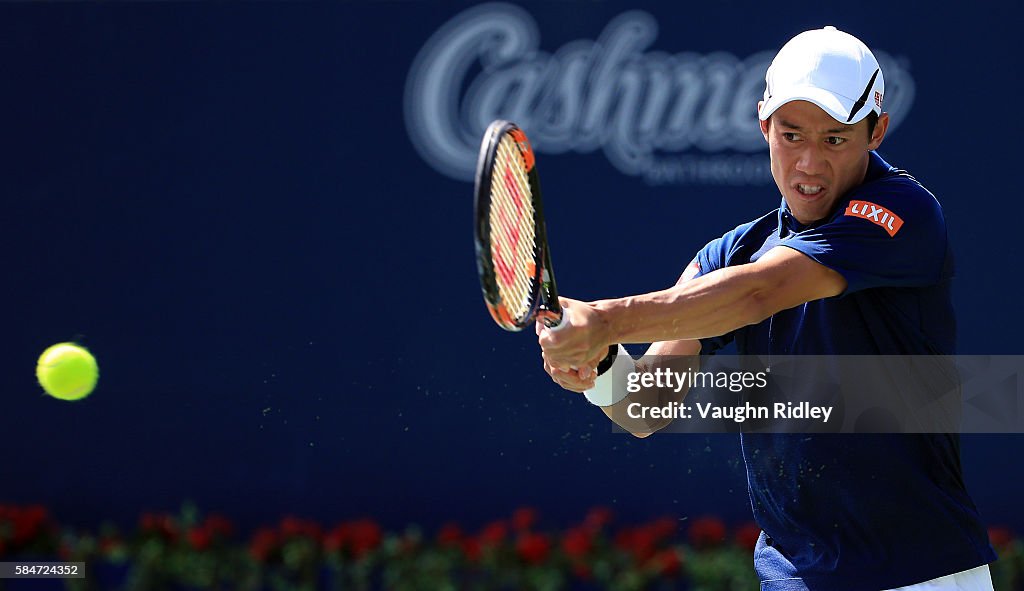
(855, 261)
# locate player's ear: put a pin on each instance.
(879, 133)
(764, 124)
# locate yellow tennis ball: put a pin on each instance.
(67, 371)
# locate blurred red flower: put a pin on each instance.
(335, 540)
(450, 535)
(533, 548)
(159, 524)
(169, 527)
(199, 538)
(747, 534)
(149, 522)
(577, 542)
(493, 533)
(706, 532)
(663, 528)
(290, 526)
(597, 518)
(523, 518)
(263, 545)
(293, 527)
(667, 563)
(36, 515)
(471, 549)
(23, 528)
(999, 536)
(109, 544)
(638, 541)
(219, 526)
(364, 536)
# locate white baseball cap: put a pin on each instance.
(829, 68)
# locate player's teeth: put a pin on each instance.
(809, 189)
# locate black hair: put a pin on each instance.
(872, 119)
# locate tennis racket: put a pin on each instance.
(512, 253)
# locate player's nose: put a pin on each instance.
(811, 160)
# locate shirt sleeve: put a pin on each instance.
(712, 257)
(880, 240)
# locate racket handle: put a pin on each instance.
(566, 321)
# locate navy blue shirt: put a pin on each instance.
(858, 512)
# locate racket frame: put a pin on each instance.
(544, 305)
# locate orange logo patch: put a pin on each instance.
(876, 214)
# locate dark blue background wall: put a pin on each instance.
(224, 203)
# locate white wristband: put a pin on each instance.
(610, 387)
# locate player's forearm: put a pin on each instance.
(707, 306)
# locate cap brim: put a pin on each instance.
(837, 107)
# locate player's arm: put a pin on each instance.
(710, 305)
(724, 300)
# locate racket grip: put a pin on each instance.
(610, 387)
(566, 321)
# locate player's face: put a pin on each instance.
(816, 159)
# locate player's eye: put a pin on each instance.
(834, 140)
(790, 136)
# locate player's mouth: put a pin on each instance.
(810, 191)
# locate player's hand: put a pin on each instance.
(579, 346)
(570, 380)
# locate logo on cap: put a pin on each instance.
(876, 214)
(878, 98)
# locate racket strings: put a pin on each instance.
(513, 231)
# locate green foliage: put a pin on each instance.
(192, 551)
